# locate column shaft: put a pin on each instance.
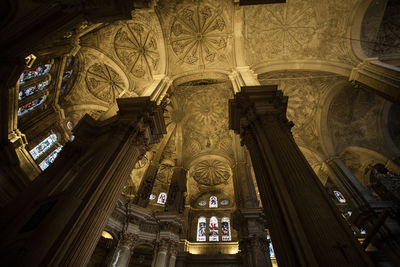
(305, 226)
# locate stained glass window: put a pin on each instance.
(201, 229)
(43, 146)
(50, 158)
(152, 197)
(226, 229)
(31, 105)
(162, 198)
(70, 125)
(33, 73)
(271, 248)
(202, 203)
(339, 197)
(67, 75)
(33, 90)
(224, 202)
(213, 202)
(213, 234)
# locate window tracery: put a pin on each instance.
(33, 73)
(43, 146)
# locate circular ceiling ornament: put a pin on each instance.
(104, 82)
(197, 34)
(211, 172)
(136, 46)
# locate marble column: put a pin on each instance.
(379, 77)
(304, 224)
(123, 251)
(177, 190)
(71, 201)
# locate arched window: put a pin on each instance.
(201, 229)
(43, 146)
(226, 229)
(213, 229)
(33, 90)
(31, 105)
(339, 196)
(271, 248)
(50, 158)
(33, 73)
(213, 202)
(162, 198)
(68, 71)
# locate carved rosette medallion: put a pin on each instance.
(211, 172)
(198, 34)
(104, 82)
(136, 46)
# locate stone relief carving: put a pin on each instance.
(104, 82)
(136, 46)
(298, 29)
(197, 34)
(211, 172)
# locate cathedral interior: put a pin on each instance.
(200, 133)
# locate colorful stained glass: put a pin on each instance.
(152, 196)
(213, 202)
(202, 203)
(33, 90)
(67, 75)
(162, 198)
(201, 229)
(213, 234)
(226, 229)
(43, 146)
(224, 202)
(339, 197)
(70, 125)
(30, 74)
(271, 248)
(31, 105)
(50, 158)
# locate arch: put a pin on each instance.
(355, 30)
(312, 65)
(322, 118)
(316, 161)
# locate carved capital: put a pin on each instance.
(129, 240)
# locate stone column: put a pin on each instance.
(304, 224)
(123, 251)
(249, 218)
(72, 200)
(162, 257)
(177, 190)
(379, 77)
(173, 251)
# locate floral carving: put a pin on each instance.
(211, 172)
(198, 34)
(104, 82)
(136, 47)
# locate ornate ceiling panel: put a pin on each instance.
(199, 35)
(211, 172)
(136, 46)
(299, 29)
(205, 128)
(306, 90)
(104, 82)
